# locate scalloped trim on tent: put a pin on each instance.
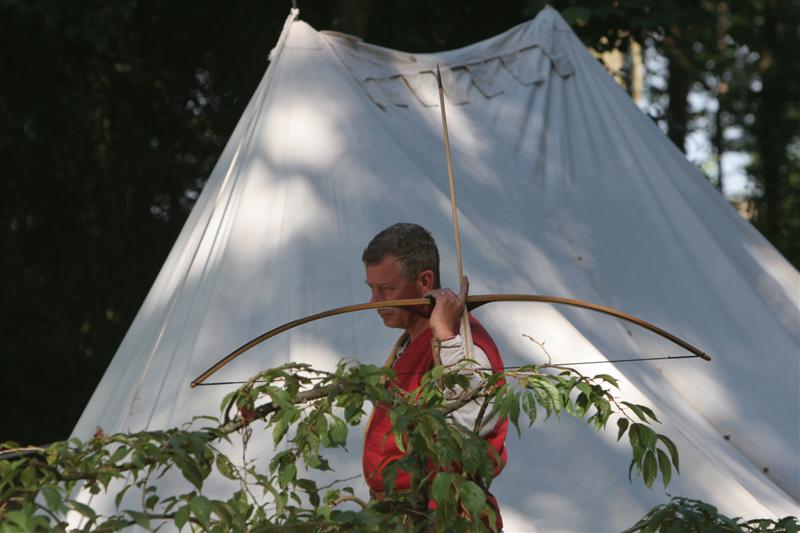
(528, 52)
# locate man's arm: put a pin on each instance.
(444, 325)
(452, 354)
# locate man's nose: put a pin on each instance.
(377, 296)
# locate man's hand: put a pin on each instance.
(447, 310)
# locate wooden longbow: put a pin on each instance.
(473, 301)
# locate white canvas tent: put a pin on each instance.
(564, 187)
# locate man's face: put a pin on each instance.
(387, 281)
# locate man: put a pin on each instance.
(401, 262)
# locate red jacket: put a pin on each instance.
(417, 358)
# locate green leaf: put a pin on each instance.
(553, 393)
(225, 467)
(673, 451)
(582, 404)
(471, 457)
(633, 436)
(141, 519)
(24, 520)
(197, 443)
(390, 477)
(603, 412)
(472, 498)
(649, 412)
(636, 409)
(190, 470)
(82, 508)
(224, 512)
(608, 379)
(353, 414)
(119, 454)
(182, 516)
(650, 469)
(440, 488)
(287, 474)
(319, 428)
(338, 431)
(280, 397)
(226, 400)
(622, 424)
(636, 447)
(513, 412)
(314, 440)
(120, 495)
(28, 476)
(530, 407)
(425, 432)
(584, 388)
(544, 398)
(53, 498)
(664, 467)
(151, 501)
(201, 509)
(280, 502)
(399, 441)
(279, 459)
(790, 524)
(648, 437)
(324, 511)
(279, 429)
(139, 458)
(310, 487)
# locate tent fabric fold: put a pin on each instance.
(564, 187)
(526, 51)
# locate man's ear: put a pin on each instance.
(426, 280)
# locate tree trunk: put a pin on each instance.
(679, 74)
(771, 128)
(718, 140)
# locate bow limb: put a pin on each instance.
(481, 299)
(473, 302)
(466, 332)
(411, 302)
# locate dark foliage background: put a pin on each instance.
(112, 115)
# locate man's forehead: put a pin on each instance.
(388, 259)
(388, 267)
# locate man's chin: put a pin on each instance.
(390, 321)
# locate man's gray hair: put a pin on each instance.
(413, 246)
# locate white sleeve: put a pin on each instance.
(451, 353)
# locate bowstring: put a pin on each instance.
(487, 369)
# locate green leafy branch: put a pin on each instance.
(685, 514)
(309, 411)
